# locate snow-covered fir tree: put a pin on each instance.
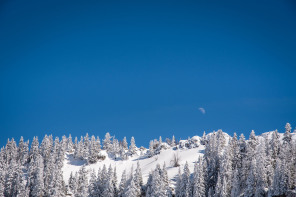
(107, 142)
(82, 184)
(122, 184)
(132, 148)
(198, 183)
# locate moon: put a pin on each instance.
(202, 110)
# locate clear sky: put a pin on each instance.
(145, 68)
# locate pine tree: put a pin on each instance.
(122, 184)
(212, 158)
(99, 183)
(104, 174)
(278, 180)
(49, 169)
(138, 176)
(60, 150)
(281, 178)
(243, 163)
(17, 187)
(160, 140)
(34, 150)
(114, 182)
(274, 147)
(82, 189)
(23, 151)
(45, 149)
(72, 183)
(165, 179)
(224, 191)
(57, 185)
(261, 170)
(20, 189)
(235, 191)
(178, 188)
(185, 183)
(70, 145)
(198, 185)
(132, 148)
(108, 190)
(8, 184)
(64, 144)
(38, 184)
(78, 154)
(10, 179)
(98, 144)
(94, 150)
(151, 149)
(251, 181)
(234, 151)
(115, 148)
(284, 178)
(131, 189)
(148, 189)
(203, 139)
(102, 179)
(158, 187)
(252, 140)
(287, 154)
(221, 141)
(173, 142)
(107, 142)
(288, 130)
(124, 144)
(11, 151)
(86, 146)
(251, 148)
(292, 178)
(226, 170)
(75, 145)
(218, 188)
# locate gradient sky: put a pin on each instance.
(144, 68)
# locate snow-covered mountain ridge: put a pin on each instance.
(188, 150)
(213, 165)
(147, 164)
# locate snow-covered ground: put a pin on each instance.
(188, 150)
(147, 164)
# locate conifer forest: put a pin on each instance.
(226, 166)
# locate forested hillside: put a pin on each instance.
(214, 165)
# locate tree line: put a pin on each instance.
(230, 167)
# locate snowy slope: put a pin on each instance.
(188, 150)
(189, 155)
(268, 135)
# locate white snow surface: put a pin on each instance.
(189, 155)
(269, 135)
(188, 151)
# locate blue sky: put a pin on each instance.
(144, 68)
